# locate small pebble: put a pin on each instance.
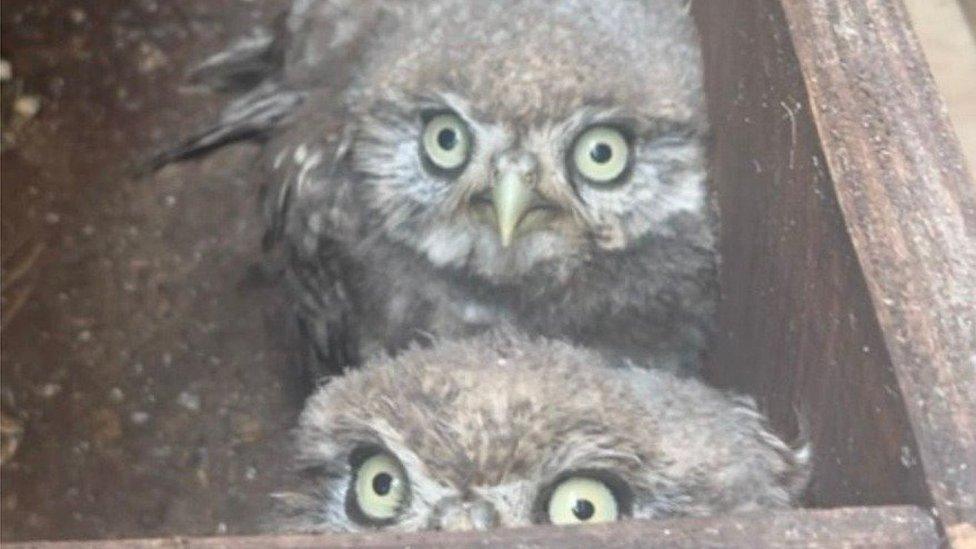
(88, 230)
(50, 390)
(152, 58)
(6, 71)
(251, 473)
(248, 429)
(78, 16)
(84, 335)
(170, 200)
(116, 395)
(139, 418)
(27, 106)
(52, 218)
(106, 426)
(189, 401)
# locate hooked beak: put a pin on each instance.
(511, 198)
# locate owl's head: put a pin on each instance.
(504, 431)
(495, 137)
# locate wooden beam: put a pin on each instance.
(910, 209)
(798, 328)
(969, 8)
(854, 527)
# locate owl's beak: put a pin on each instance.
(511, 198)
(452, 515)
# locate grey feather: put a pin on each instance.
(245, 64)
(497, 420)
(251, 116)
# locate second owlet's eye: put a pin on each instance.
(446, 142)
(601, 155)
(380, 487)
(582, 500)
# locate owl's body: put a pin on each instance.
(504, 216)
(501, 431)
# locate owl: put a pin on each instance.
(503, 430)
(439, 168)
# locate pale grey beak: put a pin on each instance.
(455, 515)
(511, 198)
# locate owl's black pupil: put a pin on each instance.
(601, 153)
(583, 509)
(382, 483)
(447, 139)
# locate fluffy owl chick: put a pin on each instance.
(444, 166)
(502, 431)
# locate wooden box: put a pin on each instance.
(849, 284)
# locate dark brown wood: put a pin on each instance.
(969, 10)
(798, 327)
(858, 527)
(849, 244)
(910, 208)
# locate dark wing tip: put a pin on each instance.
(252, 116)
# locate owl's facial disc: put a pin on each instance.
(506, 196)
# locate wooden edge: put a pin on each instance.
(902, 526)
(910, 209)
(797, 327)
(969, 9)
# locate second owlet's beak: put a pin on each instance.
(454, 515)
(511, 197)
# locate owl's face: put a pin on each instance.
(536, 133)
(502, 431)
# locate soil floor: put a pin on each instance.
(146, 377)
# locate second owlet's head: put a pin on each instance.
(504, 431)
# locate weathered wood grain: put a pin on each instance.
(798, 328)
(910, 209)
(856, 527)
(969, 8)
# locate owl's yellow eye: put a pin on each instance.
(381, 487)
(601, 154)
(446, 142)
(582, 500)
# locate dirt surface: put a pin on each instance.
(144, 358)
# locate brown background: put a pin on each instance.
(142, 349)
